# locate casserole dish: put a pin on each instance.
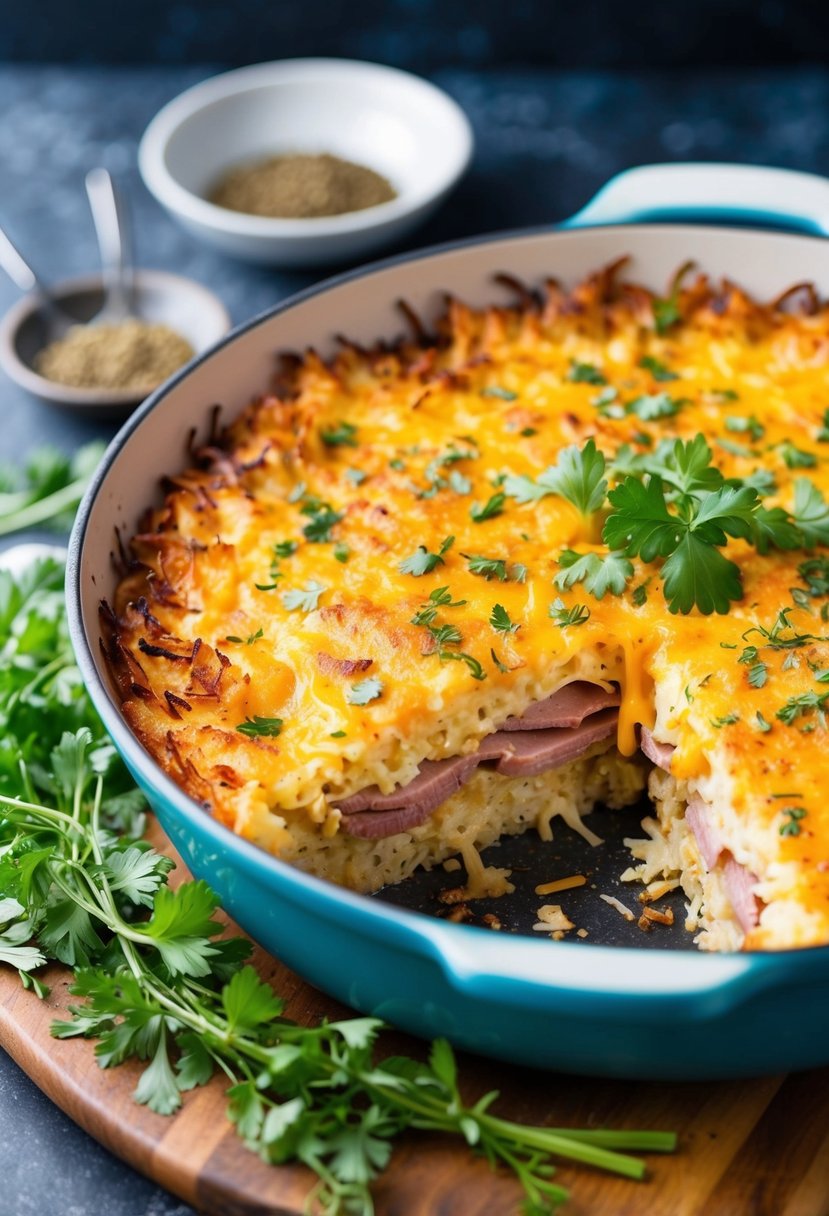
(631, 1012)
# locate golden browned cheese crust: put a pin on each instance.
(269, 585)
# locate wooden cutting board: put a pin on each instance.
(747, 1148)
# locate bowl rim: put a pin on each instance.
(194, 208)
(470, 957)
(70, 395)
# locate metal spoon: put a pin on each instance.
(57, 322)
(109, 217)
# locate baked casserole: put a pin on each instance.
(422, 596)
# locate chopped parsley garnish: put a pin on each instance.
(599, 574)
(424, 562)
(606, 402)
(503, 394)
(364, 691)
(323, 519)
(564, 616)
(267, 728)
(500, 620)
(397, 464)
(487, 567)
(659, 370)
(284, 548)
(823, 434)
(527, 432)
(578, 476)
(792, 816)
(441, 597)
(344, 434)
(305, 600)
(750, 426)
(666, 313)
(297, 492)
(459, 483)
(492, 507)
(639, 595)
(341, 552)
(248, 641)
(725, 720)
(585, 373)
(802, 704)
(734, 449)
(337, 734)
(356, 476)
(652, 406)
(502, 667)
(762, 724)
(796, 458)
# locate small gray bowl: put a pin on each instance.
(161, 298)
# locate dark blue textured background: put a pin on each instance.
(546, 140)
(421, 34)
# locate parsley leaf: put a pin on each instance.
(492, 507)
(364, 691)
(578, 476)
(659, 370)
(666, 313)
(585, 373)
(652, 406)
(796, 458)
(810, 513)
(599, 574)
(306, 600)
(265, 727)
(344, 434)
(423, 562)
(500, 620)
(564, 616)
(323, 519)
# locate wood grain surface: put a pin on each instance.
(747, 1148)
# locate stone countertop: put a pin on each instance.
(545, 142)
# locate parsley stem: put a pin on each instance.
(44, 509)
(550, 1141)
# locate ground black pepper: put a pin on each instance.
(301, 187)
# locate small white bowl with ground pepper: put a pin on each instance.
(306, 161)
(104, 370)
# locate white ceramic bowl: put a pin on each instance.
(393, 122)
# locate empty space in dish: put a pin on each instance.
(534, 862)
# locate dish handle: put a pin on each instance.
(514, 971)
(737, 194)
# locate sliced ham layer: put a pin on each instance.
(554, 736)
(707, 837)
(659, 753)
(740, 884)
(566, 708)
(738, 879)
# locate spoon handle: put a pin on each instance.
(110, 228)
(18, 270)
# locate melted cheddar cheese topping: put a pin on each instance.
(281, 587)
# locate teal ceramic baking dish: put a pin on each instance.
(614, 1011)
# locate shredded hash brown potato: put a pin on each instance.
(271, 642)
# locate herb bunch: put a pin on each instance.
(157, 981)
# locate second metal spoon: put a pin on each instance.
(108, 215)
